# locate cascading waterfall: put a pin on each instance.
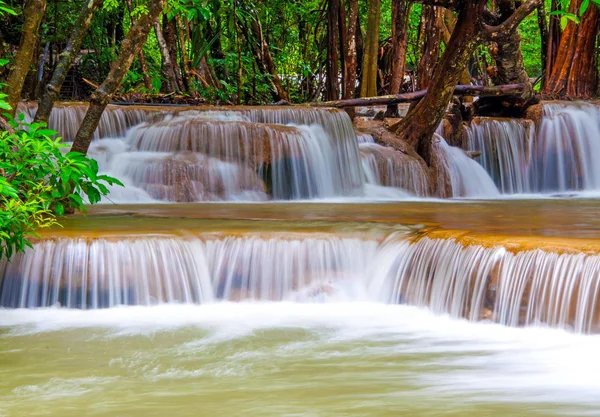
(388, 167)
(568, 141)
(77, 273)
(66, 119)
(462, 175)
(524, 288)
(506, 147)
(558, 159)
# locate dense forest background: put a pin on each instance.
(261, 51)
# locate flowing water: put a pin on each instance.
(416, 308)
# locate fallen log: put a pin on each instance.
(461, 90)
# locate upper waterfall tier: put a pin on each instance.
(558, 158)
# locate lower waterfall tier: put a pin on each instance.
(507, 280)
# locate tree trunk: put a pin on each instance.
(170, 33)
(351, 53)
(332, 91)
(430, 49)
(167, 65)
(130, 47)
(33, 15)
(509, 65)
(66, 60)
(421, 122)
(574, 74)
(184, 55)
(400, 13)
(543, 27)
(552, 44)
(368, 86)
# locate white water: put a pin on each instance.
(568, 143)
(506, 147)
(523, 289)
(467, 177)
(364, 358)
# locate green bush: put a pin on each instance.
(38, 182)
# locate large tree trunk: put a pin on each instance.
(350, 50)
(421, 122)
(400, 13)
(167, 66)
(509, 67)
(33, 15)
(574, 74)
(333, 19)
(430, 49)
(130, 47)
(368, 86)
(552, 43)
(66, 60)
(170, 32)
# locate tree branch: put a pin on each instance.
(460, 90)
(505, 29)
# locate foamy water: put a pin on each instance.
(288, 359)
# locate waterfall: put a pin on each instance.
(506, 147)
(465, 177)
(77, 273)
(568, 141)
(515, 289)
(67, 117)
(520, 288)
(388, 167)
(559, 158)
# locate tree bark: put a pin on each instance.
(430, 50)
(574, 74)
(351, 53)
(184, 55)
(509, 64)
(400, 13)
(130, 47)
(459, 90)
(332, 68)
(369, 69)
(170, 33)
(552, 44)
(167, 65)
(66, 60)
(33, 14)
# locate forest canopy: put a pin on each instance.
(253, 52)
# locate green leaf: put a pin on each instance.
(584, 6)
(59, 208)
(77, 200)
(5, 106)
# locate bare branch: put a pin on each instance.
(505, 29)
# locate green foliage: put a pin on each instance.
(40, 182)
